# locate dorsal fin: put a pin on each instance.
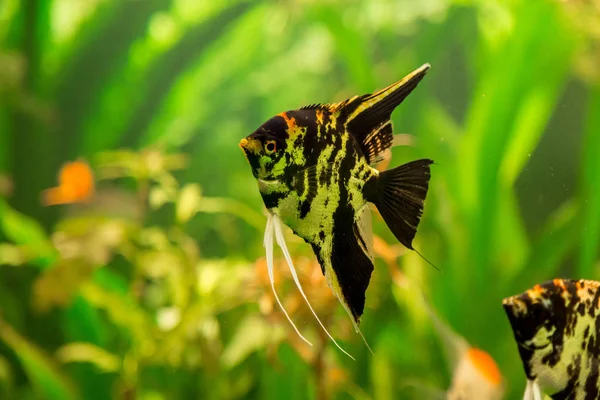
(315, 106)
(367, 117)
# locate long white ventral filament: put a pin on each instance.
(268, 243)
(532, 391)
(537, 392)
(281, 243)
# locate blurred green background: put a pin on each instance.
(157, 288)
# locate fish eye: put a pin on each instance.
(270, 146)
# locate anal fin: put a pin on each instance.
(352, 267)
(347, 266)
(348, 263)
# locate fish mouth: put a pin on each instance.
(250, 145)
(516, 306)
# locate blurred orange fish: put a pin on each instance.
(75, 185)
(475, 374)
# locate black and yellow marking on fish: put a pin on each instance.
(314, 168)
(557, 330)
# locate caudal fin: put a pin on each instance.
(399, 195)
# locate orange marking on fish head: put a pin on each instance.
(535, 292)
(485, 364)
(559, 283)
(290, 121)
(319, 116)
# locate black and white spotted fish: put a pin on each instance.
(557, 329)
(314, 168)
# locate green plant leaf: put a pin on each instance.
(590, 191)
(252, 334)
(49, 382)
(25, 231)
(188, 202)
(558, 237)
(506, 103)
(88, 353)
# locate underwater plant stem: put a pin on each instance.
(143, 194)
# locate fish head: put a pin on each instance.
(265, 149)
(538, 319)
(529, 313)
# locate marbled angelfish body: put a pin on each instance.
(314, 171)
(326, 199)
(557, 329)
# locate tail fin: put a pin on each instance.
(399, 195)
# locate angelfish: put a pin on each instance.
(315, 173)
(557, 329)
